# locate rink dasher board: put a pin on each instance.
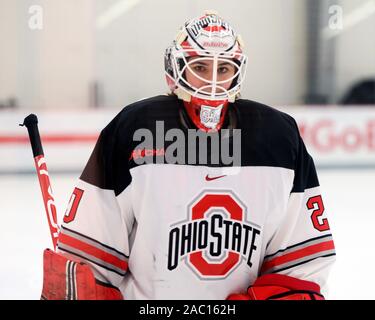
(336, 137)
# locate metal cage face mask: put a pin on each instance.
(197, 62)
(209, 76)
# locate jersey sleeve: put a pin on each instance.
(302, 245)
(99, 217)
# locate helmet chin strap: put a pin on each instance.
(207, 115)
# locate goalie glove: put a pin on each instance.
(280, 287)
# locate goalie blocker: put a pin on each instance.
(66, 278)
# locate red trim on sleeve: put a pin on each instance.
(298, 254)
(93, 251)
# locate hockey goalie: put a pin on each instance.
(150, 218)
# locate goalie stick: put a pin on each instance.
(64, 277)
(31, 123)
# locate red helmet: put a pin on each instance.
(210, 41)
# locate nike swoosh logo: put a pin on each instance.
(214, 178)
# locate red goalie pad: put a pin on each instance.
(280, 287)
(65, 278)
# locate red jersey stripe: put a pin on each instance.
(93, 251)
(298, 254)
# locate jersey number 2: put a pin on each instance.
(317, 204)
(74, 201)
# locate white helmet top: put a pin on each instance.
(206, 37)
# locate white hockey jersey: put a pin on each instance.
(192, 231)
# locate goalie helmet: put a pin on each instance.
(209, 41)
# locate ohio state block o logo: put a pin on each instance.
(222, 202)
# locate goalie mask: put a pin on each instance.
(205, 68)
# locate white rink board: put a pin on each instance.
(65, 155)
(335, 137)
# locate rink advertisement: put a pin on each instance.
(335, 136)
(338, 136)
